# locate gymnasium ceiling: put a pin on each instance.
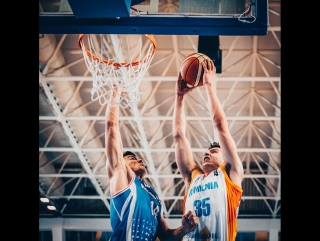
(72, 161)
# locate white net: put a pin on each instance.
(117, 60)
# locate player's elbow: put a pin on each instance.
(109, 169)
(111, 125)
(221, 124)
(177, 134)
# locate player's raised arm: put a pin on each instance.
(227, 143)
(183, 153)
(189, 222)
(119, 174)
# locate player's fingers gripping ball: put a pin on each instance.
(191, 69)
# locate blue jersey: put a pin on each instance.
(135, 213)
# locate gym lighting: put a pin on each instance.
(48, 203)
(44, 199)
(51, 207)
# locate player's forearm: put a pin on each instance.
(112, 135)
(215, 106)
(112, 125)
(179, 122)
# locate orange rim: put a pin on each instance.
(121, 64)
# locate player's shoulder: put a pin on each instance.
(196, 170)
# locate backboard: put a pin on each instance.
(159, 17)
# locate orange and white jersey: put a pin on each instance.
(215, 199)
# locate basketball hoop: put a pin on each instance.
(117, 60)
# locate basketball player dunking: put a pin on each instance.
(213, 190)
(136, 210)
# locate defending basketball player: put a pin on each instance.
(213, 190)
(135, 209)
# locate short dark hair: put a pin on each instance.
(128, 153)
(214, 145)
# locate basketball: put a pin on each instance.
(191, 69)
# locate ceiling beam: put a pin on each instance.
(152, 175)
(164, 78)
(76, 148)
(80, 149)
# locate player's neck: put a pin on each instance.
(207, 172)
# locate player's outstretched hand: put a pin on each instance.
(181, 86)
(189, 221)
(209, 70)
